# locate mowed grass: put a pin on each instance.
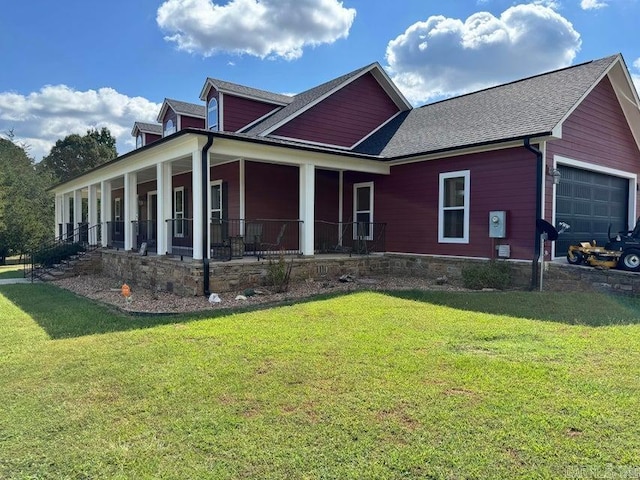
(367, 385)
(11, 271)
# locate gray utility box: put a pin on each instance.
(498, 224)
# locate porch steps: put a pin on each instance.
(75, 265)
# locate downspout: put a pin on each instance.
(204, 164)
(537, 244)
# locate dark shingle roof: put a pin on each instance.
(302, 100)
(245, 91)
(518, 109)
(154, 128)
(184, 108)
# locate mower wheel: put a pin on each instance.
(575, 258)
(630, 260)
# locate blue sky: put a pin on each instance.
(76, 64)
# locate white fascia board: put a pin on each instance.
(181, 147)
(467, 151)
(292, 156)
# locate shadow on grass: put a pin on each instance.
(573, 308)
(11, 272)
(63, 314)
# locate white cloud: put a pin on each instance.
(447, 56)
(265, 28)
(41, 118)
(592, 4)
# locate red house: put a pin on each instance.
(350, 165)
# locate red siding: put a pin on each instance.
(326, 198)
(596, 132)
(240, 112)
(229, 173)
(345, 117)
(272, 191)
(407, 201)
(149, 138)
(191, 122)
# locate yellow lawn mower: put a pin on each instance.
(622, 251)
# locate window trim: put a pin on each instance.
(215, 127)
(211, 209)
(356, 186)
(466, 174)
(176, 233)
(117, 214)
(139, 140)
(166, 132)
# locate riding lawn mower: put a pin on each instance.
(622, 251)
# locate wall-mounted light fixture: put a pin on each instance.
(140, 202)
(555, 173)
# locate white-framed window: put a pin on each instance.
(453, 208)
(178, 212)
(363, 211)
(169, 128)
(216, 200)
(212, 114)
(139, 140)
(117, 214)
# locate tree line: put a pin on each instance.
(26, 202)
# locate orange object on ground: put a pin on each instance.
(126, 291)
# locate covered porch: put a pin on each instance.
(218, 197)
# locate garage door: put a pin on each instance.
(589, 202)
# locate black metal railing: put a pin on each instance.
(234, 238)
(349, 237)
(180, 236)
(60, 250)
(145, 231)
(115, 234)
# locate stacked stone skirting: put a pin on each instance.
(185, 276)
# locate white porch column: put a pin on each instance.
(66, 215)
(92, 213)
(58, 205)
(307, 214)
(340, 204)
(164, 197)
(130, 208)
(242, 213)
(77, 213)
(105, 212)
(196, 196)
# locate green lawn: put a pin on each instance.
(11, 271)
(367, 385)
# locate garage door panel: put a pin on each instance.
(590, 202)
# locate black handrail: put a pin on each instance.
(60, 250)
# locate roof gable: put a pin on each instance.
(243, 91)
(181, 108)
(142, 127)
(535, 106)
(306, 100)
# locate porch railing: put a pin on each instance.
(233, 238)
(349, 237)
(180, 236)
(145, 231)
(82, 233)
(115, 234)
(60, 250)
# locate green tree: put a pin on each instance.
(75, 154)
(26, 208)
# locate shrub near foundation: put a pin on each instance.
(493, 274)
(278, 274)
(56, 254)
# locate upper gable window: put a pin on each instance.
(139, 140)
(212, 114)
(169, 128)
(453, 214)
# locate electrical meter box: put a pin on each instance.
(498, 224)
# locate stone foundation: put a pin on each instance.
(185, 277)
